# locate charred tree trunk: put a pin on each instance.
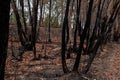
(27, 40)
(78, 24)
(63, 47)
(40, 17)
(23, 15)
(106, 25)
(41, 12)
(83, 36)
(22, 35)
(49, 27)
(100, 31)
(4, 31)
(30, 19)
(34, 27)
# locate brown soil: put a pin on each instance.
(106, 66)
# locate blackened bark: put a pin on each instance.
(49, 27)
(63, 45)
(83, 36)
(97, 25)
(92, 55)
(23, 15)
(4, 31)
(116, 9)
(27, 40)
(34, 27)
(41, 12)
(22, 35)
(107, 23)
(29, 7)
(78, 23)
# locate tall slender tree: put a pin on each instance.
(64, 39)
(49, 26)
(27, 39)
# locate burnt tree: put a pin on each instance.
(49, 26)
(4, 30)
(64, 38)
(91, 37)
(27, 37)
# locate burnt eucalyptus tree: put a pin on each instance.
(83, 35)
(4, 30)
(49, 26)
(64, 38)
(27, 36)
(23, 14)
(34, 27)
(92, 36)
(78, 24)
(41, 12)
(105, 24)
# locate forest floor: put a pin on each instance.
(105, 66)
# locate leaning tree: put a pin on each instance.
(90, 31)
(4, 30)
